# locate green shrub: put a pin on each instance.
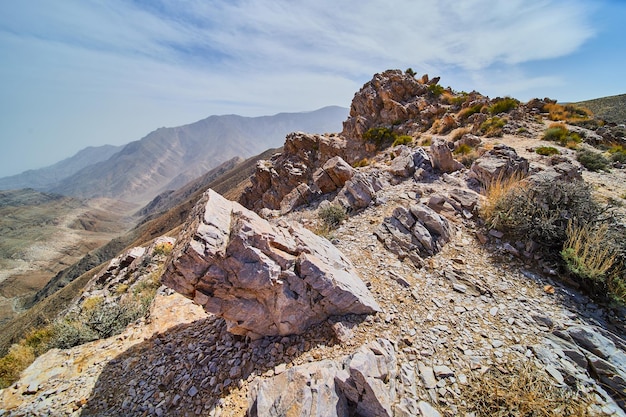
(618, 153)
(492, 127)
(402, 140)
(463, 149)
(558, 132)
(436, 90)
(380, 136)
(164, 249)
(409, 71)
(593, 161)
(503, 105)
(332, 215)
(547, 150)
(522, 130)
(362, 163)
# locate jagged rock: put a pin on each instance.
(499, 163)
(415, 233)
(463, 198)
(263, 279)
(441, 157)
(333, 174)
(469, 140)
(389, 97)
(361, 190)
(307, 390)
(565, 171)
(363, 384)
(405, 164)
(302, 194)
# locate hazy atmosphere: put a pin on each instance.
(76, 73)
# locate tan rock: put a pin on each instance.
(263, 279)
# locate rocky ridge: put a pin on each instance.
(474, 305)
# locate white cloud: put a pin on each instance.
(136, 66)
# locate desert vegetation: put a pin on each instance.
(565, 219)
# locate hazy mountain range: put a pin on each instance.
(168, 158)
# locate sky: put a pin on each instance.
(78, 73)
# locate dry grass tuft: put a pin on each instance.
(586, 253)
(495, 192)
(523, 390)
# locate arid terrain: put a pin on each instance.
(424, 303)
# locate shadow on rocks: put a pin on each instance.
(187, 369)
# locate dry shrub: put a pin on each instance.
(11, 365)
(586, 253)
(569, 112)
(459, 132)
(540, 212)
(522, 390)
(496, 191)
(589, 254)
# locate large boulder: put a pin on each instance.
(263, 279)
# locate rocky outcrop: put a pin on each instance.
(390, 98)
(499, 163)
(361, 190)
(408, 161)
(263, 279)
(333, 174)
(441, 157)
(301, 164)
(414, 233)
(368, 383)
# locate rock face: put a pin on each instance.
(391, 97)
(333, 174)
(263, 279)
(298, 165)
(415, 233)
(441, 157)
(364, 384)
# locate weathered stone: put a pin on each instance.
(360, 191)
(333, 174)
(441, 157)
(414, 233)
(427, 410)
(427, 375)
(499, 163)
(263, 279)
(306, 390)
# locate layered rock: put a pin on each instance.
(263, 279)
(499, 163)
(275, 181)
(390, 98)
(367, 383)
(441, 157)
(414, 233)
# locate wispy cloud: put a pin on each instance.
(125, 67)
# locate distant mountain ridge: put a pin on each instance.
(169, 158)
(42, 179)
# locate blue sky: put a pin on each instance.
(75, 73)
